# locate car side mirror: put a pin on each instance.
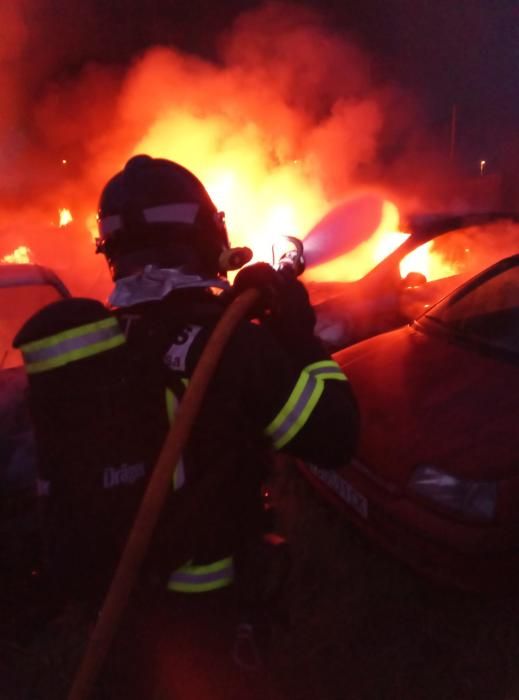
(414, 279)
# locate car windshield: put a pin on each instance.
(17, 304)
(486, 310)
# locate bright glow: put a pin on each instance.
(65, 217)
(417, 261)
(262, 197)
(91, 225)
(355, 264)
(20, 255)
(222, 188)
(429, 262)
(387, 243)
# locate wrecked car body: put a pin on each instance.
(390, 294)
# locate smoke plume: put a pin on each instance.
(285, 122)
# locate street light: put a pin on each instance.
(482, 164)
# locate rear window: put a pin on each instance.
(17, 304)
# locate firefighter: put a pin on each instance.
(275, 389)
(166, 244)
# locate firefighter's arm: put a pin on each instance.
(313, 413)
(317, 417)
(305, 409)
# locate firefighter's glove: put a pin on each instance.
(266, 281)
(284, 304)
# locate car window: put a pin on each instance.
(487, 312)
(17, 304)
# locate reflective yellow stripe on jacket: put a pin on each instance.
(71, 345)
(304, 397)
(192, 578)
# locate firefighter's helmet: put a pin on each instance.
(157, 212)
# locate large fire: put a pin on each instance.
(385, 239)
(281, 129)
(263, 201)
(289, 208)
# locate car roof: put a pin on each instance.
(427, 226)
(15, 275)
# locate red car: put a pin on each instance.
(436, 478)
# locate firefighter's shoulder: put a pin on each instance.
(61, 316)
(67, 331)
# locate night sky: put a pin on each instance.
(446, 52)
(463, 52)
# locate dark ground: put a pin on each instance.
(348, 624)
(362, 627)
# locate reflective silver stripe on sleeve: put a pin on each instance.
(298, 411)
(326, 369)
(199, 579)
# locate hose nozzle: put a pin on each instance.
(292, 259)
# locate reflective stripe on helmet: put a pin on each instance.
(192, 578)
(179, 473)
(179, 213)
(109, 224)
(71, 345)
(326, 369)
(172, 213)
(302, 401)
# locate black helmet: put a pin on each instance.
(157, 212)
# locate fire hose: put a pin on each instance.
(159, 485)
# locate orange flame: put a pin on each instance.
(359, 261)
(427, 261)
(20, 255)
(261, 197)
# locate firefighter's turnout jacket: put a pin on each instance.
(103, 389)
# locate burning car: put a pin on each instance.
(436, 478)
(24, 289)
(437, 254)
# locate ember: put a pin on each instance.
(65, 217)
(20, 255)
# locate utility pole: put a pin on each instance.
(454, 119)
